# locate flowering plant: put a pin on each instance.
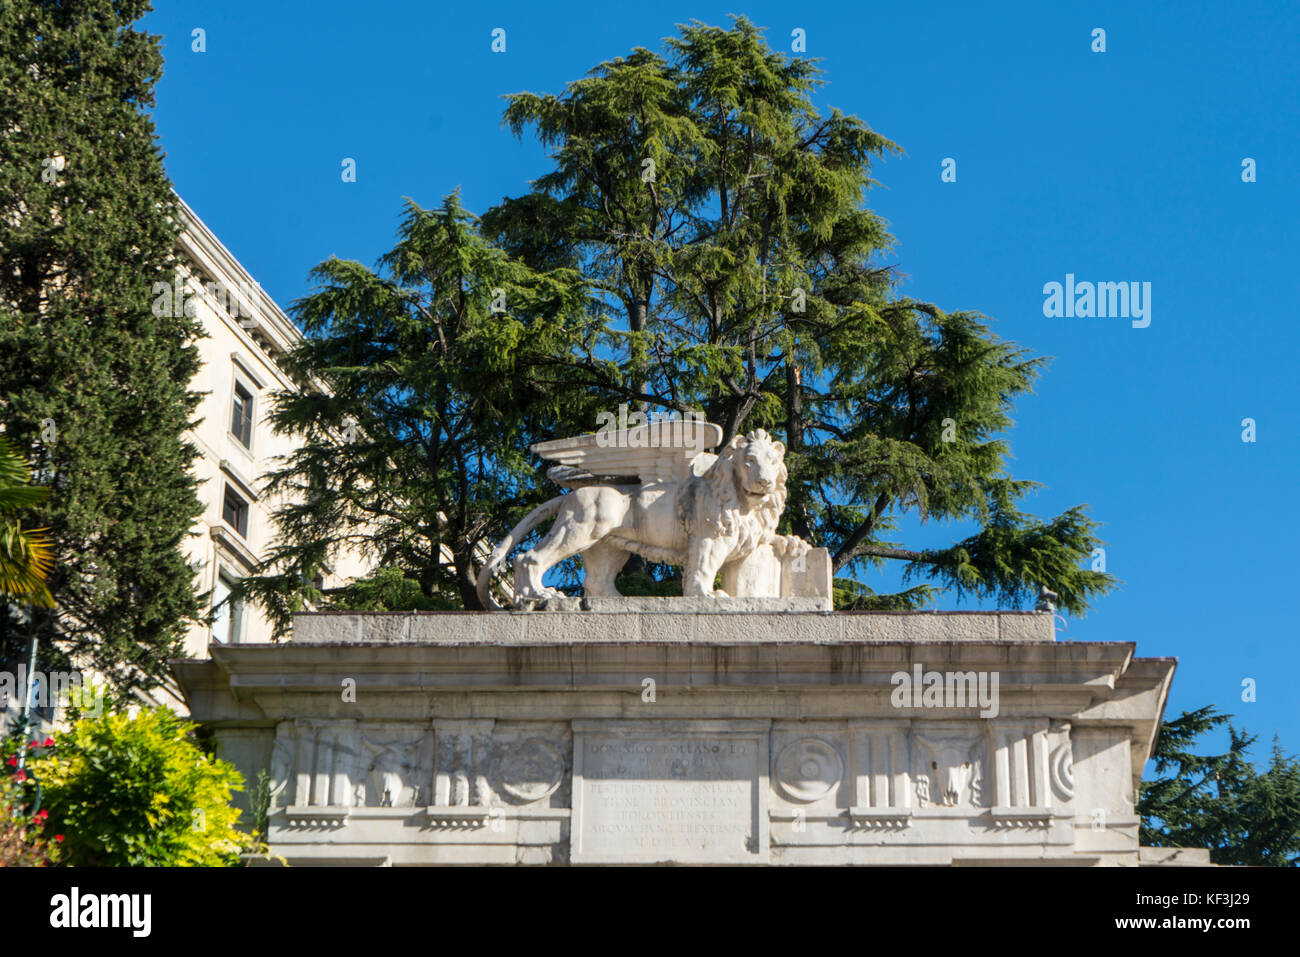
(23, 842)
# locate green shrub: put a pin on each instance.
(139, 792)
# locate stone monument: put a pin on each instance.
(749, 724)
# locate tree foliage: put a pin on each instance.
(437, 369)
(700, 242)
(719, 219)
(94, 388)
(1221, 801)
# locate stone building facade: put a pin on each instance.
(247, 336)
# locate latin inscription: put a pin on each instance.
(688, 798)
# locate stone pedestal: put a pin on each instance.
(673, 735)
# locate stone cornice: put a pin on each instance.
(201, 244)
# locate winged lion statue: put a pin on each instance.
(655, 490)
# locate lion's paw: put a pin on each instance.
(790, 546)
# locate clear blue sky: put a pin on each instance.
(1115, 166)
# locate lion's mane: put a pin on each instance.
(714, 497)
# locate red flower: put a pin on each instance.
(20, 775)
(13, 762)
(59, 838)
(48, 742)
(41, 815)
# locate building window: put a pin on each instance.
(234, 512)
(228, 624)
(241, 415)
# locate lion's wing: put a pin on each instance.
(660, 452)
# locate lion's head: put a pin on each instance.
(749, 479)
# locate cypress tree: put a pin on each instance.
(94, 387)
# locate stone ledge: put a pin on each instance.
(1174, 857)
(671, 623)
(879, 818)
(1097, 668)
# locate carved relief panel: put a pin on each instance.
(1061, 761)
(531, 764)
(313, 763)
(345, 763)
(810, 764)
(1021, 763)
(396, 766)
(881, 765)
(948, 764)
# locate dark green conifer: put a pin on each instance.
(94, 387)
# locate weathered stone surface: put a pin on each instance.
(672, 619)
(690, 738)
(670, 792)
(1174, 856)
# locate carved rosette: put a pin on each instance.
(808, 769)
(1061, 763)
(530, 770)
(1063, 770)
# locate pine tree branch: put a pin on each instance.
(854, 547)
